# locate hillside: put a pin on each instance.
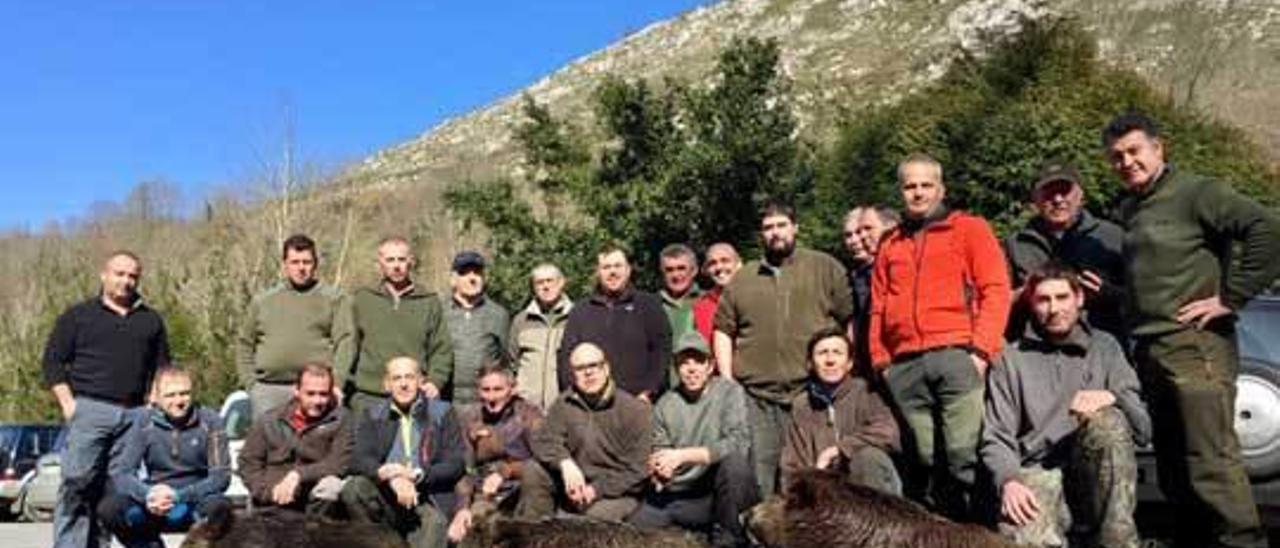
(1221, 55)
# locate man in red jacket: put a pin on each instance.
(940, 300)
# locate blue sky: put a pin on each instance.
(97, 96)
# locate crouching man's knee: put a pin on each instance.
(872, 467)
(1106, 430)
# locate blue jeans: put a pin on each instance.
(96, 436)
(130, 521)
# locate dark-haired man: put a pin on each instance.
(296, 455)
(99, 363)
(629, 325)
(286, 326)
(766, 316)
(1185, 285)
(1063, 415)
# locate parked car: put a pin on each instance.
(20, 446)
(1257, 419)
(40, 489)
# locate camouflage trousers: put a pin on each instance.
(1090, 500)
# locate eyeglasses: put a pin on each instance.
(587, 366)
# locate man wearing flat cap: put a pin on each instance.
(1066, 233)
(478, 327)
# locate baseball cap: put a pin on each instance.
(691, 341)
(1057, 171)
(467, 259)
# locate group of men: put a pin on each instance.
(938, 362)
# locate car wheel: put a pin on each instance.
(1257, 419)
(33, 514)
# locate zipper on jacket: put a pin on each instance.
(915, 290)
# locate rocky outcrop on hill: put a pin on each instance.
(844, 55)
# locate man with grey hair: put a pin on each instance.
(679, 266)
(535, 336)
(940, 299)
(863, 227)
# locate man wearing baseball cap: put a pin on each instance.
(478, 327)
(1063, 231)
(699, 470)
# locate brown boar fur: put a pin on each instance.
(496, 531)
(822, 510)
(278, 528)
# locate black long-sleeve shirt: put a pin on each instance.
(633, 331)
(104, 355)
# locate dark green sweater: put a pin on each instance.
(384, 327)
(285, 329)
(1178, 242)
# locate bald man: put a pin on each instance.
(592, 449)
(99, 362)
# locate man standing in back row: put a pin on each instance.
(478, 327)
(1184, 289)
(939, 301)
(763, 324)
(99, 363)
(288, 325)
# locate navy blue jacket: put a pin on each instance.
(193, 458)
(441, 448)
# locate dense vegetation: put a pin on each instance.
(668, 161)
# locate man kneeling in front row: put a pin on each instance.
(700, 471)
(592, 448)
(409, 454)
(1063, 413)
(184, 450)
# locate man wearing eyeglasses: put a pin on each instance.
(592, 449)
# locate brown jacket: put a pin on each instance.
(854, 417)
(273, 449)
(496, 444)
(609, 441)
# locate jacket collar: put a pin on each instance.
(628, 294)
(1076, 342)
(161, 420)
(561, 307)
(603, 401)
(823, 395)
(940, 216)
(689, 296)
(1085, 222)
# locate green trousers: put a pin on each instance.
(1189, 377)
(939, 395)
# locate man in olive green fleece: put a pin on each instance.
(289, 325)
(394, 319)
(765, 317)
(1179, 232)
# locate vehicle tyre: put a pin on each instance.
(33, 514)
(1257, 417)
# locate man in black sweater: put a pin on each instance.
(99, 362)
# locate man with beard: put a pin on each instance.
(478, 327)
(721, 264)
(296, 455)
(628, 324)
(939, 302)
(679, 266)
(408, 456)
(496, 430)
(99, 361)
(768, 312)
(590, 452)
(863, 228)
(288, 325)
(183, 449)
(394, 319)
(535, 337)
(1063, 415)
(1185, 284)
(699, 471)
(1064, 231)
